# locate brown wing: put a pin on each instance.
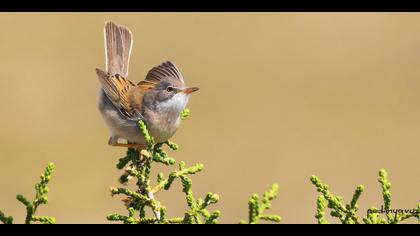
(165, 70)
(135, 97)
(126, 96)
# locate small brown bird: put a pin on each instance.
(158, 100)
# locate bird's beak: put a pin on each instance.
(190, 90)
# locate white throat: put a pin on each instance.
(174, 105)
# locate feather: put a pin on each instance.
(118, 45)
(165, 70)
(126, 96)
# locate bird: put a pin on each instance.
(158, 100)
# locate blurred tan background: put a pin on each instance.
(283, 96)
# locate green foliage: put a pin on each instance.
(347, 214)
(372, 216)
(41, 189)
(386, 193)
(185, 113)
(257, 207)
(5, 219)
(321, 204)
(137, 165)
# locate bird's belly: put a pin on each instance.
(162, 126)
(117, 124)
(162, 129)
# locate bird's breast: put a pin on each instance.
(162, 125)
(164, 119)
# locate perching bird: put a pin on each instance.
(157, 100)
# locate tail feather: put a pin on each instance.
(118, 44)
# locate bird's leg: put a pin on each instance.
(114, 142)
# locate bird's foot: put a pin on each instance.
(114, 142)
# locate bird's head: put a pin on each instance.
(168, 90)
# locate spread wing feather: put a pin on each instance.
(166, 69)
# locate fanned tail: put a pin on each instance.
(118, 44)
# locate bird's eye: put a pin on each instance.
(169, 89)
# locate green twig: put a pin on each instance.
(5, 219)
(321, 204)
(386, 193)
(185, 113)
(41, 189)
(137, 165)
(257, 207)
(346, 214)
